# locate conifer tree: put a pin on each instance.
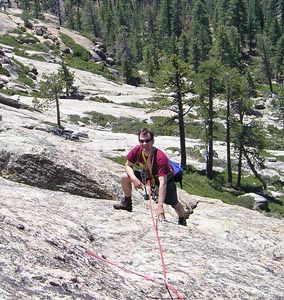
(279, 59)
(254, 22)
(265, 51)
(279, 103)
(27, 11)
(237, 17)
(165, 19)
(69, 13)
(231, 81)
(220, 16)
(90, 19)
(51, 87)
(36, 9)
(67, 78)
(172, 86)
(208, 78)
(226, 46)
(200, 39)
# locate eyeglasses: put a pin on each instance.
(145, 141)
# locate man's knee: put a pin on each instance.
(123, 176)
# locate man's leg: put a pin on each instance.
(179, 209)
(126, 185)
(126, 202)
(181, 213)
(172, 199)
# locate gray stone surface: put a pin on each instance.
(47, 223)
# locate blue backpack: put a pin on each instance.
(177, 171)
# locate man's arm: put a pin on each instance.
(161, 198)
(130, 173)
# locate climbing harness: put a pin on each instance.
(144, 181)
(153, 186)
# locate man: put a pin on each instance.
(142, 155)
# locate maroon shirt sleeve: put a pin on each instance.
(134, 155)
(162, 163)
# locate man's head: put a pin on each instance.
(146, 138)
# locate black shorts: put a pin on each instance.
(171, 193)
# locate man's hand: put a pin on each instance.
(137, 183)
(160, 213)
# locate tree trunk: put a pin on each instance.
(209, 166)
(181, 134)
(58, 11)
(253, 169)
(267, 67)
(13, 103)
(57, 111)
(228, 141)
(239, 176)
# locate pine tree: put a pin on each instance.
(173, 85)
(279, 103)
(51, 87)
(90, 18)
(27, 11)
(226, 46)
(67, 78)
(237, 17)
(200, 39)
(208, 78)
(254, 22)
(266, 53)
(279, 59)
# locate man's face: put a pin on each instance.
(146, 141)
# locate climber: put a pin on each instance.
(142, 155)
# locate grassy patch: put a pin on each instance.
(136, 104)
(18, 42)
(276, 208)
(80, 58)
(100, 99)
(3, 71)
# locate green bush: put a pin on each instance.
(77, 50)
(26, 80)
(100, 99)
(244, 201)
(16, 42)
(3, 71)
(276, 208)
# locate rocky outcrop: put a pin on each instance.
(12, 102)
(61, 238)
(36, 160)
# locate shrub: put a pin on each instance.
(3, 71)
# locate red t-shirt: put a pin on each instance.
(161, 160)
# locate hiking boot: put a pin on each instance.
(188, 211)
(182, 221)
(125, 204)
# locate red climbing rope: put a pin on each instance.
(120, 267)
(166, 284)
(169, 287)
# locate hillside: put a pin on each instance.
(60, 238)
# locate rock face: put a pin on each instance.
(37, 161)
(60, 237)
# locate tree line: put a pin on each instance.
(221, 48)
